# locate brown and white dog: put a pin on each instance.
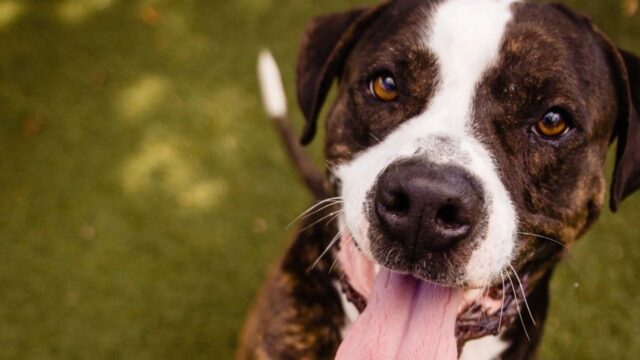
(467, 145)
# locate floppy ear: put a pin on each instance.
(325, 45)
(626, 177)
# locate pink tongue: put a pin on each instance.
(405, 319)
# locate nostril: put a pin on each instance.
(450, 217)
(400, 202)
(396, 202)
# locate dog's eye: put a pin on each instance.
(552, 125)
(383, 87)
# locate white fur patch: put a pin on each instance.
(486, 348)
(271, 87)
(465, 37)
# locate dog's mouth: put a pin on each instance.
(394, 305)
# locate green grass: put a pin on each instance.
(143, 195)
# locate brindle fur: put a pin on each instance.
(298, 314)
(551, 56)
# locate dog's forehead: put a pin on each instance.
(467, 29)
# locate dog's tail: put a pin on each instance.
(275, 104)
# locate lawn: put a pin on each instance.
(143, 194)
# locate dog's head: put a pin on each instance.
(470, 135)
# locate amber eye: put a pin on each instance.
(553, 124)
(383, 87)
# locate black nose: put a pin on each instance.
(427, 206)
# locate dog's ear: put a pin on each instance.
(325, 45)
(626, 176)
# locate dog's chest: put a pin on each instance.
(487, 348)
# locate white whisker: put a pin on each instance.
(524, 295)
(331, 163)
(331, 243)
(332, 215)
(386, 260)
(544, 238)
(484, 294)
(502, 303)
(314, 208)
(513, 288)
(335, 261)
(332, 168)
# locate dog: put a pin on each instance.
(466, 149)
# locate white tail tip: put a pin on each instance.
(273, 97)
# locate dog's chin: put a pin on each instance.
(440, 268)
(445, 267)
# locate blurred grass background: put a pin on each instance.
(143, 194)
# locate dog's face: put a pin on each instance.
(469, 136)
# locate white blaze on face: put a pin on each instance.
(465, 36)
